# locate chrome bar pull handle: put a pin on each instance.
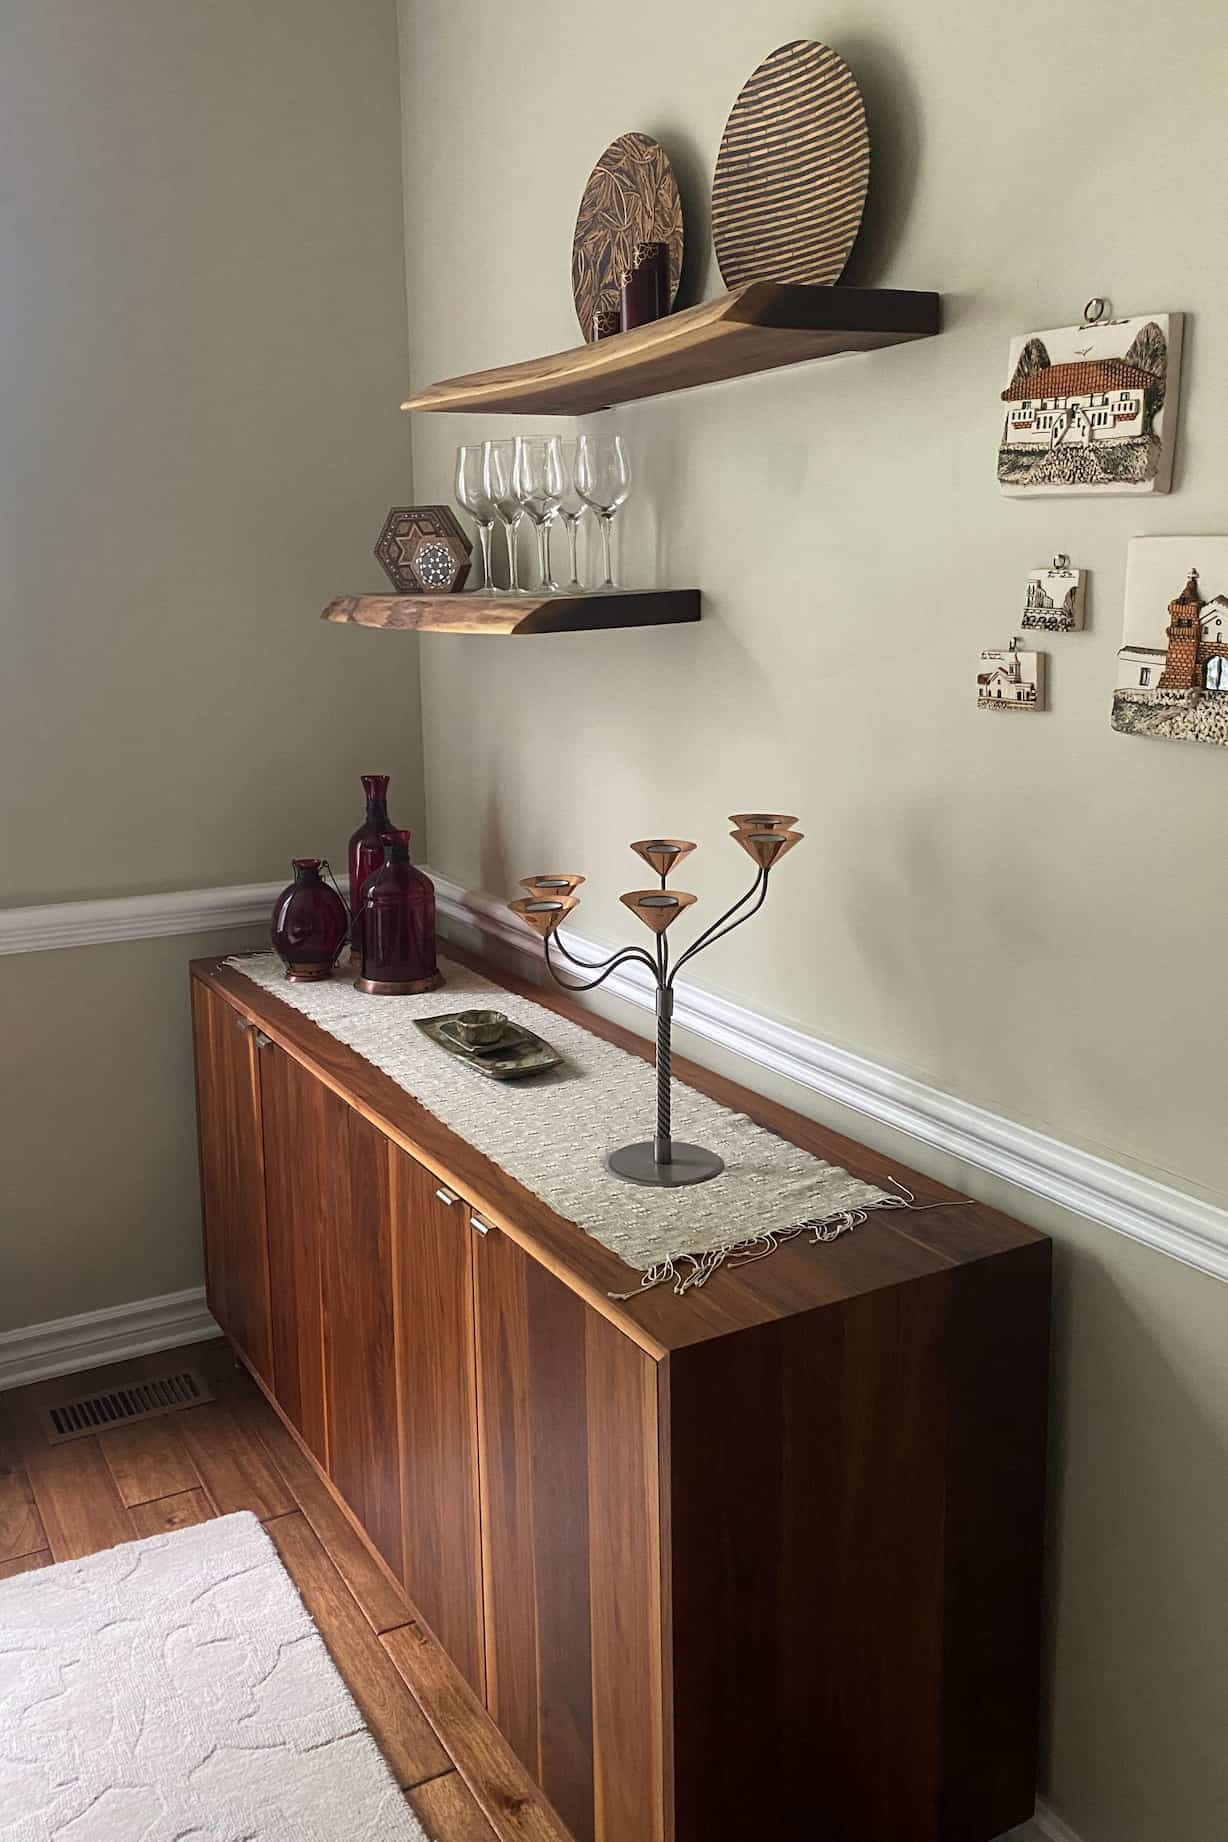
(478, 1225)
(447, 1197)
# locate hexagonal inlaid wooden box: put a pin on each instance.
(423, 550)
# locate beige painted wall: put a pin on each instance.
(1010, 909)
(202, 347)
(101, 1192)
(202, 350)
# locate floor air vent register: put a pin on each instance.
(142, 1400)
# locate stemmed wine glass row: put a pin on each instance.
(548, 481)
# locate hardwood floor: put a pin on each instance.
(61, 1502)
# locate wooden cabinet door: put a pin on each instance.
(568, 1442)
(232, 1175)
(304, 1149)
(437, 1410)
(360, 1380)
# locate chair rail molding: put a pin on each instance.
(65, 1345)
(134, 917)
(1168, 1220)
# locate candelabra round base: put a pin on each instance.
(689, 1164)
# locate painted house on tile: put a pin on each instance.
(1084, 410)
(1172, 668)
(1009, 681)
(1077, 404)
(1196, 656)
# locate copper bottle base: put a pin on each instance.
(394, 988)
(308, 975)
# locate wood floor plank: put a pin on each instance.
(21, 1528)
(387, 1703)
(77, 1499)
(165, 1513)
(445, 1808)
(382, 1604)
(515, 1807)
(148, 1460)
(233, 1464)
(25, 1563)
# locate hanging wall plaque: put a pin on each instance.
(1092, 408)
(1011, 679)
(1055, 597)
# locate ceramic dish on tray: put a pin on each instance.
(520, 1052)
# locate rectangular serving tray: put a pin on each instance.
(526, 1054)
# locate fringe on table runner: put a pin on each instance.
(686, 1272)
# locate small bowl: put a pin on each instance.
(480, 1028)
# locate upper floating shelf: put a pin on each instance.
(503, 613)
(757, 328)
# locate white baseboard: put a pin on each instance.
(134, 917)
(65, 1345)
(1044, 1827)
(1168, 1220)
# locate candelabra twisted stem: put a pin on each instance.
(663, 1141)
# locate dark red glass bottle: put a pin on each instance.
(398, 933)
(309, 923)
(366, 854)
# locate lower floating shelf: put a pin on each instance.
(507, 614)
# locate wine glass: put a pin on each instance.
(538, 478)
(471, 494)
(571, 510)
(603, 481)
(499, 478)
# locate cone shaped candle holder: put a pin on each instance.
(766, 837)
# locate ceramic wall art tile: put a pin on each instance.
(1054, 599)
(1172, 667)
(1092, 408)
(1011, 679)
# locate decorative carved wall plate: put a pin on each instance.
(793, 170)
(631, 197)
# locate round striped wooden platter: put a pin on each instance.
(793, 169)
(631, 197)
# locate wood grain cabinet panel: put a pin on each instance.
(232, 1176)
(305, 1188)
(437, 1410)
(568, 1431)
(360, 1358)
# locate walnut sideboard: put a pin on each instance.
(763, 1561)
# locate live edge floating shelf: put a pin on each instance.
(512, 614)
(756, 328)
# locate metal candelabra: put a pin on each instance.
(550, 899)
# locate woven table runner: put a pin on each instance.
(552, 1131)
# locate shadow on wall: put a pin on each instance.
(695, 188)
(894, 117)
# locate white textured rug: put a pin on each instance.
(176, 1688)
(552, 1132)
